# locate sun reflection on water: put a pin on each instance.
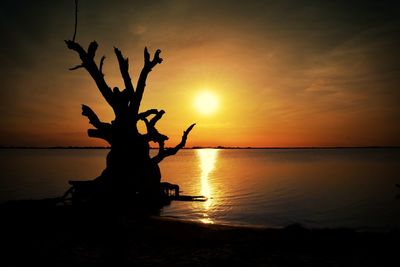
(208, 158)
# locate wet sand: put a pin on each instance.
(65, 236)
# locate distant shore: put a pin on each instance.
(206, 147)
(64, 237)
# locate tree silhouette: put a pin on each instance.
(131, 174)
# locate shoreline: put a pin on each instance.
(380, 230)
(210, 147)
(71, 237)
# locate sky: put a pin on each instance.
(284, 73)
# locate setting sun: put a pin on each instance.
(206, 102)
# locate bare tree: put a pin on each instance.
(131, 174)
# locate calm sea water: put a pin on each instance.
(265, 187)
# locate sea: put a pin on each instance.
(317, 188)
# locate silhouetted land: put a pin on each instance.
(206, 147)
(38, 235)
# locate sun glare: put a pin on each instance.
(206, 103)
(208, 159)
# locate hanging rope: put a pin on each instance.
(76, 19)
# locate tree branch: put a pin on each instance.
(89, 64)
(141, 84)
(147, 113)
(152, 133)
(101, 64)
(103, 130)
(124, 68)
(76, 67)
(157, 117)
(163, 153)
(93, 118)
(91, 52)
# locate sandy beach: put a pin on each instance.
(63, 236)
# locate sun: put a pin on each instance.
(206, 102)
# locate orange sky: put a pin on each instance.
(286, 73)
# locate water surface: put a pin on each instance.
(267, 187)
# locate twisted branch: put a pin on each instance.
(103, 130)
(163, 153)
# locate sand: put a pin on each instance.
(70, 237)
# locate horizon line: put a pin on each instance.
(203, 147)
